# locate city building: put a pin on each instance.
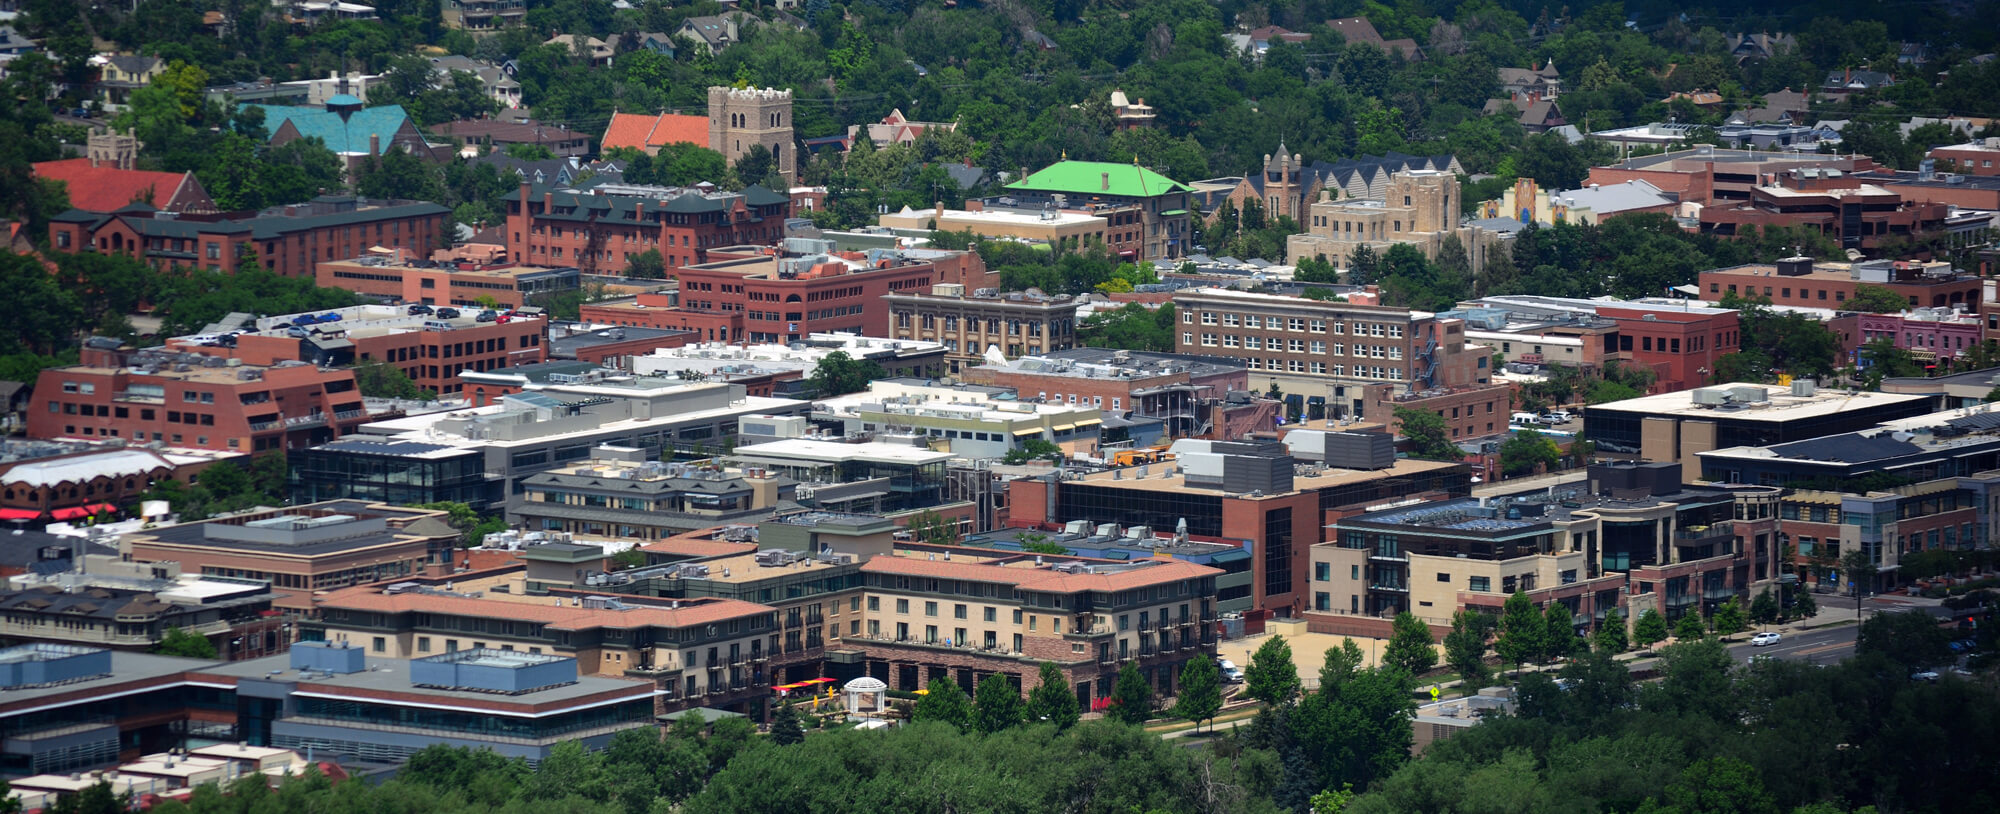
(336, 699)
(66, 708)
(1314, 350)
(620, 493)
(972, 421)
(1418, 207)
(786, 293)
(104, 180)
(1288, 185)
(1274, 499)
(1056, 228)
(1712, 176)
(302, 549)
(499, 135)
(610, 345)
(1676, 427)
(1528, 203)
(1801, 281)
(870, 476)
(738, 120)
(400, 277)
(288, 240)
(599, 227)
(1679, 341)
(1856, 214)
(1971, 158)
(774, 369)
(429, 349)
(479, 455)
(1633, 538)
(1109, 542)
(1932, 334)
(1153, 208)
(71, 481)
(129, 611)
(199, 402)
(1529, 335)
(1131, 384)
(973, 327)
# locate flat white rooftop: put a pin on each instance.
(1782, 406)
(809, 450)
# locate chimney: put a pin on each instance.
(374, 144)
(1105, 182)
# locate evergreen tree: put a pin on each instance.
(1201, 690)
(997, 704)
(1271, 676)
(1650, 629)
(1611, 633)
(786, 727)
(1131, 696)
(1522, 631)
(1411, 646)
(1052, 700)
(944, 701)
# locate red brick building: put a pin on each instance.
(100, 186)
(146, 397)
(1681, 345)
(1800, 281)
(1855, 214)
(1710, 176)
(1976, 157)
(599, 230)
(431, 350)
(77, 484)
(289, 240)
(395, 278)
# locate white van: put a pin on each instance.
(1525, 419)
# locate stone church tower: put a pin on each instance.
(739, 119)
(1284, 189)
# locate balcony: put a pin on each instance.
(349, 415)
(651, 672)
(1380, 556)
(1385, 586)
(300, 422)
(1701, 534)
(1145, 625)
(995, 649)
(263, 426)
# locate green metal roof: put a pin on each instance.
(1090, 177)
(349, 137)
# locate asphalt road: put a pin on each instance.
(1823, 646)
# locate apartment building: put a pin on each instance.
(622, 493)
(289, 240)
(968, 420)
(396, 277)
(1677, 427)
(1013, 324)
(599, 227)
(188, 400)
(770, 368)
(1136, 384)
(430, 349)
(1856, 214)
(1633, 538)
(129, 609)
(1275, 501)
(302, 549)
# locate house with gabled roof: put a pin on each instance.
(353, 132)
(1359, 29)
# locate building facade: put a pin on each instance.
(289, 240)
(1014, 324)
(447, 283)
(598, 230)
(1152, 208)
(1418, 207)
(157, 398)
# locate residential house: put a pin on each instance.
(119, 75)
(1761, 46)
(1130, 114)
(498, 79)
(715, 32)
(599, 51)
(896, 128)
(352, 132)
(1537, 114)
(484, 15)
(1544, 81)
(498, 136)
(1784, 106)
(1359, 29)
(1840, 83)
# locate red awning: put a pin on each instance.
(102, 508)
(19, 514)
(70, 513)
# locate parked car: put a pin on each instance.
(419, 309)
(447, 313)
(296, 332)
(1230, 672)
(1766, 638)
(1554, 417)
(1924, 675)
(486, 316)
(1523, 418)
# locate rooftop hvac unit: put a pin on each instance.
(1710, 396)
(1804, 388)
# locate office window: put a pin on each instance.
(930, 608)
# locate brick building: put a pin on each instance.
(104, 181)
(1418, 207)
(430, 349)
(1287, 184)
(1148, 212)
(599, 229)
(784, 294)
(1015, 323)
(1855, 214)
(90, 480)
(1974, 157)
(1800, 281)
(186, 400)
(1113, 380)
(1929, 333)
(1277, 519)
(397, 277)
(302, 549)
(289, 240)
(1680, 345)
(738, 120)
(1711, 176)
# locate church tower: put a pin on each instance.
(741, 118)
(1284, 185)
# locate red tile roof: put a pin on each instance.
(105, 189)
(646, 132)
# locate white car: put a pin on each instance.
(1763, 639)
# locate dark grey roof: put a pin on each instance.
(965, 177)
(1849, 448)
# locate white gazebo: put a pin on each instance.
(871, 688)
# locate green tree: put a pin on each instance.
(1716, 785)
(1860, 571)
(1729, 618)
(838, 374)
(1032, 449)
(1877, 299)
(647, 265)
(1052, 700)
(379, 379)
(1201, 690)
(944, 701)
(1271, 676)
(1527, 451)
(1561, 640)
(1690, 627)
(928, 526)
(786, 726)
(1465, 647)
(1411, 648)
(1035, 542)
(1131, 326)
(1764, 609)
(1131, 696)
(1523, 631)
(184, 643)
(1610, 637)
(997, 704)
(1427, 434)
(1650, 629)
(1911, 639)
(1803, 604)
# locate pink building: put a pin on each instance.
(1934, 332)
